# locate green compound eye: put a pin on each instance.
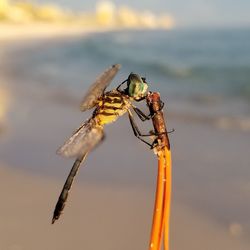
(136, 87)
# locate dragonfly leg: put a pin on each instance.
(141, 115)
(140, 99)
(118, 88)
(151, 133)
(161, 105)
(136, 130)
(138, 134)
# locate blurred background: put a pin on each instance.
(196, 54)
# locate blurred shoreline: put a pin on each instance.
(105, 15)
(14, 32)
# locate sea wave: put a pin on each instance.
(222, 122)
(158, 61)
(179, 62)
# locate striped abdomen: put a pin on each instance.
(112, 105)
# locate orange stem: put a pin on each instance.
(157, 225)
(161, 217)
(167, 200)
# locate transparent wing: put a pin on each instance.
(84, 139)
(98, 87)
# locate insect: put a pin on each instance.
(108, 107)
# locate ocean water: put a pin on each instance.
(193, 69)
(185, 62)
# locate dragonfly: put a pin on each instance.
(109, 105)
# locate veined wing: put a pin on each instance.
(98, 87)
(83, 140)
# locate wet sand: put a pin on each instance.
(111, 204)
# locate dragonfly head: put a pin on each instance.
(137, 86)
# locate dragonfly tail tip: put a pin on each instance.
(53, 220)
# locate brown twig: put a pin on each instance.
(163, 191)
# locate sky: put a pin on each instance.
(191, 13)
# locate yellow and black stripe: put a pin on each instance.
(112, 105)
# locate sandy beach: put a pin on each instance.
(111, 204)
(96, 217)
(11, 32)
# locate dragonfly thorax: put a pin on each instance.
(137, 88)
(110, 106)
